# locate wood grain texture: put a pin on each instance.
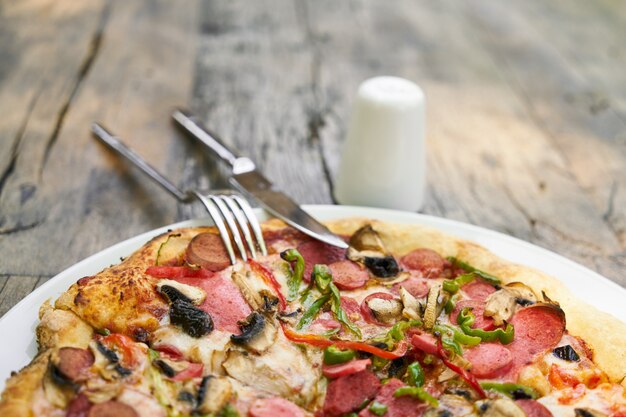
(526, 113)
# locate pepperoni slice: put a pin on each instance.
(351, 307)
(224, 301)
(478, 309)
(348, 275)
(346, 394)
(417, 287)
(489, 360)
(274, 407)
(538, 328)
(366, 311)
(316, 252)
(396, 406)
(425, 342)
(79, 406)
(427, 261)
(112, 409)
(343, 369)
(533, 408)
(74, 363)
(478, 290)
(208, 251)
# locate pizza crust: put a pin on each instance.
(605, 334)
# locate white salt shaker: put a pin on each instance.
(384, 159)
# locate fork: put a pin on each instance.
(230, 212)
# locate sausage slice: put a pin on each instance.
(208, 251)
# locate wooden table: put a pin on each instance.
(526, 114)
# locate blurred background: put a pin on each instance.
(526, 114)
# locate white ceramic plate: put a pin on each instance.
(17, 327)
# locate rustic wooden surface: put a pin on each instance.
(526, 114)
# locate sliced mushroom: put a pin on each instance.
(257, 333)
(502, 304)
(588, 412)
(431, 311)
(500, 407)
(455, 405)
(170, 368)
(213, 394)
(367, 248)
(386, 311)
(411, 307)
(173, 290)
(252, 288)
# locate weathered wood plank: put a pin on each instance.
(13, 288)
(490, 162)
(86, 199)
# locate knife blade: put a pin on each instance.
(247, 179)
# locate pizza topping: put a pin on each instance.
(172, 251)
(533, 408)
(500, 407)
(74, 363)
(208, 251)
(466, 319)
(418, 393)
(489, 360)
(295, 278)
(428, 262)
(462, 372)
(176, 272)
(257, 333)
(57, 388)
(343, 369)
(478, 289)
(410, 305)
(195, 322)
(404, 405)
(213, 394)
(367, 248)
(348, 275)
(269, 278)
(457, 263)
(348, 393)
(514, 391)
(334, 355)
(502, 304)
(567, 353)
(315, 252)
(417, 287)
(112, 408)
(79, 406)
(432, 310)
(274, 407)
(387, 312)
(174, 290)
(480, 321)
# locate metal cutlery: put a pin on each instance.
(247, 179)
(230, 212)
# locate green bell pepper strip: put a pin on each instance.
(493, 280)
(310, 314)
(447, 338)
(417, 392)
(415, 374)
(334, 356)
(228, 411)
(466, 319)
(509, 388)
(377, 408)
(295, 279)
(457, 335)
(453, 285)
(396, 333)
(451, 303)
(323, 279)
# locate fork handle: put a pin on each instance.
(123, 150)
(192, 125)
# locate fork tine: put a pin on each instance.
(243, 223)
(219, 223)
(256, 228)
(230, 221)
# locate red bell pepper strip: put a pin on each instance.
(469, 378)
(269, 278)
(193, 371)
(322, 342)
(170, 352)
(178, 272)
(124, 345)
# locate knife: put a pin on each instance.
(247, 179)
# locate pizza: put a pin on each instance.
(406, 322)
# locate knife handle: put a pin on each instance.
(192, 125)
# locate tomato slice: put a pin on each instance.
(170, 351)
(193, 371)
